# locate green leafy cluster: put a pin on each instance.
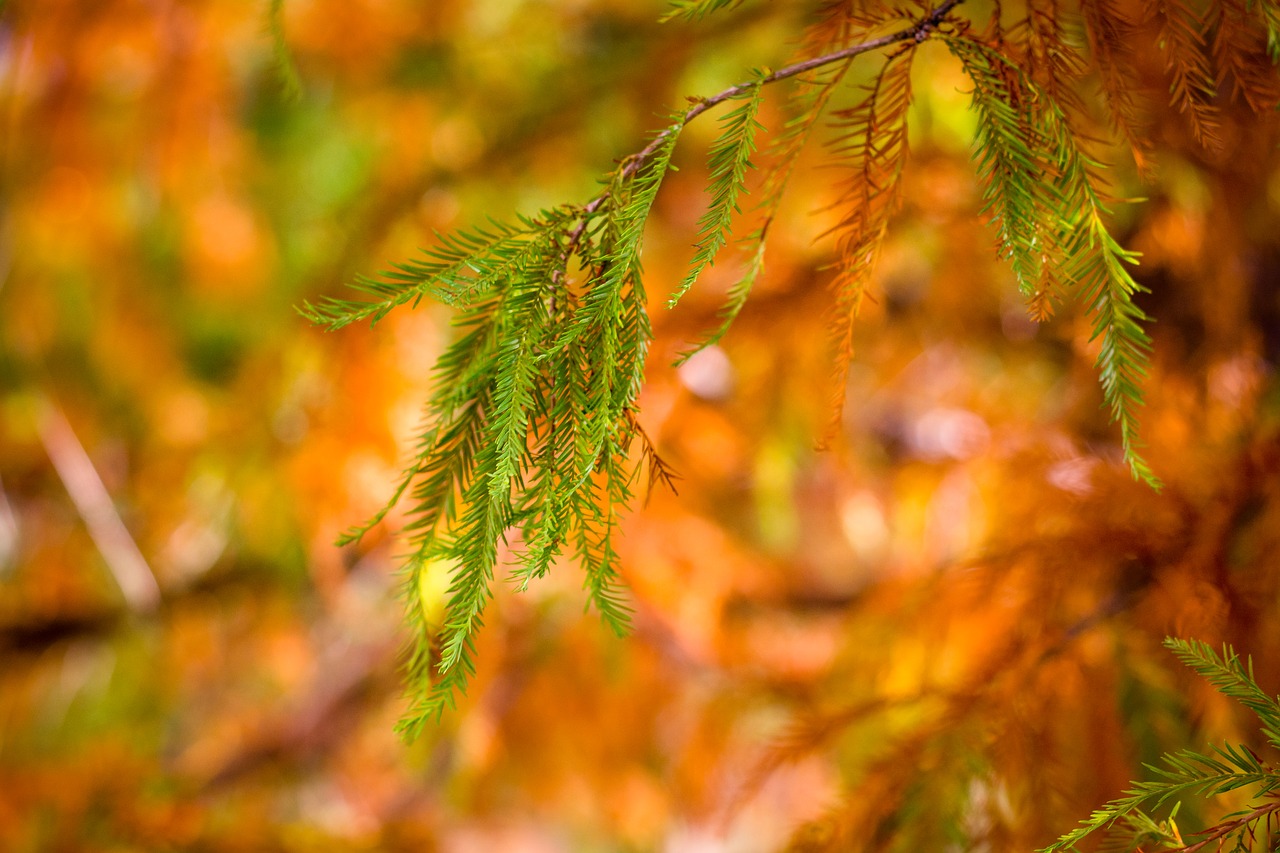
(810, 105)
(286, 69)
(728, 162)
(1043, 199)
(533, 415)
(524, 457)
(1269, 11)
(695, 10)
(1222, 769)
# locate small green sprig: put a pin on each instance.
(1188, 772)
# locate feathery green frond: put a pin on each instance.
(1268, 12)
(631, 194)
(1041, 196)
(530, 425)
(729, 161)
(462, 266)
(1222, 769)
(785, 148)
(1010, 153)
(696, 10)
(1097, 264)
(1231, 677)
(282, 58)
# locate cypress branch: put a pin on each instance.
(532, 424)
(285, 67)
(1191, 79)
(784, 151)
(1220, 770)
(1231, 677)
(871, 145)
(1110, 35)
(729, 161)
(1042, 198)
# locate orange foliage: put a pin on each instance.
(948, 623)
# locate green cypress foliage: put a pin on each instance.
(1042, 198)
(527, 452)
(695, 10)
(532, 419)
(286, 69)
(1218, 770)
(728, 163)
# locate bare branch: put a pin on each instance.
(89, 494)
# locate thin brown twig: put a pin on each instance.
(630, 165)
(917, 32)
(8, 532)
(1223, 830)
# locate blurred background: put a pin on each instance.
(943, 633)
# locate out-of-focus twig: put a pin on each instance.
(89, 494)
(8, 532)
